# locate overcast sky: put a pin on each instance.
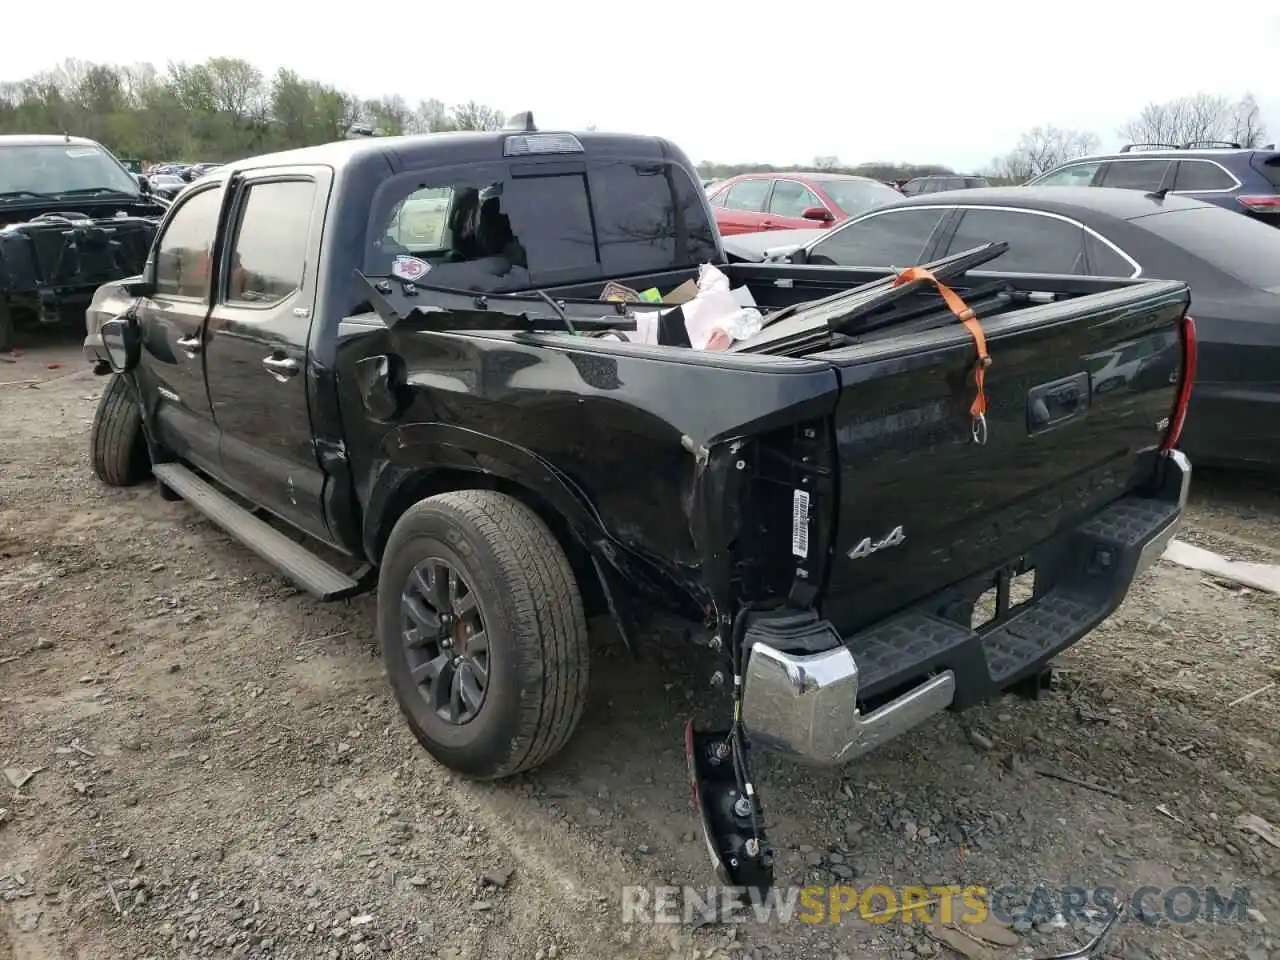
(780, 83)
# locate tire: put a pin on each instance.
(117, 445)
(530, 611)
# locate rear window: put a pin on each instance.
(1198, 175)
(496, 227)
(1246, 249)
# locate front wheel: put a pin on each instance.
(483, 633)
(117, 444)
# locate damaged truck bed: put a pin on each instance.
(825, 503)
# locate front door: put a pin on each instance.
(256, 353)
(171, 366)
(787, 204)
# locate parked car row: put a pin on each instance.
(168, 179)
(1231, 262)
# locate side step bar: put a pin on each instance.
(304, 568)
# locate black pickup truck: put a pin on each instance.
(71, 218)
(390, 347)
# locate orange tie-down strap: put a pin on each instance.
(966, 316)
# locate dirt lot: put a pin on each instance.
(222, 771)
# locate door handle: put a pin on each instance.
(191, 345)
(281, 367)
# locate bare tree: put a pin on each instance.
(1201, 117)
(826, 163)
(1246, 123)
(1039, 150)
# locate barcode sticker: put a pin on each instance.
(800, 523)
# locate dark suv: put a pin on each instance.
(938, 183)
(1225, 174)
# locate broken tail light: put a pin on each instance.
(1190, 351)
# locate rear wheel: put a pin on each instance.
(117, 445)
(483, 633)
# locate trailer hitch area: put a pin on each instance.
(732, 820)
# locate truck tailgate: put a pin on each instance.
(1080, 394)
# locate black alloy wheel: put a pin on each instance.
(443, 629)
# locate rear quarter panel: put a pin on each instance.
(619, 422)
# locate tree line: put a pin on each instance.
(1200, 118)
(218, 110)
(225, 108)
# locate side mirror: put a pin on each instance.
(821, 214)
(798, 256)
(144, 185)
(144, 285)
(122, 341)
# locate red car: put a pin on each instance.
(752, 202)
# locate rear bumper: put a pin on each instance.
(836, 705)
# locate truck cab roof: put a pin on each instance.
(44, 140)
(414, 151)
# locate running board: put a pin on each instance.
(304, 568)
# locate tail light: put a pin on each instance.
(1261, 203)
(1189, 353)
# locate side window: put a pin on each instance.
(896, 238)
(791, 199)
(1103, 260)
(718, 199)
(748, 195)
(182, 254)
(270, 249)
(1135, 174)
(912, 187)
(1075, 175)
(1195, 175)
(1037, 244)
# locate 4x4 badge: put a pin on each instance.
(866, 546)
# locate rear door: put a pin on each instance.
(256, 356)
(1039, 242)
(171, 368)
(744, 207)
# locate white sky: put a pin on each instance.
(947, 81)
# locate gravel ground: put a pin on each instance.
(222, 772)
